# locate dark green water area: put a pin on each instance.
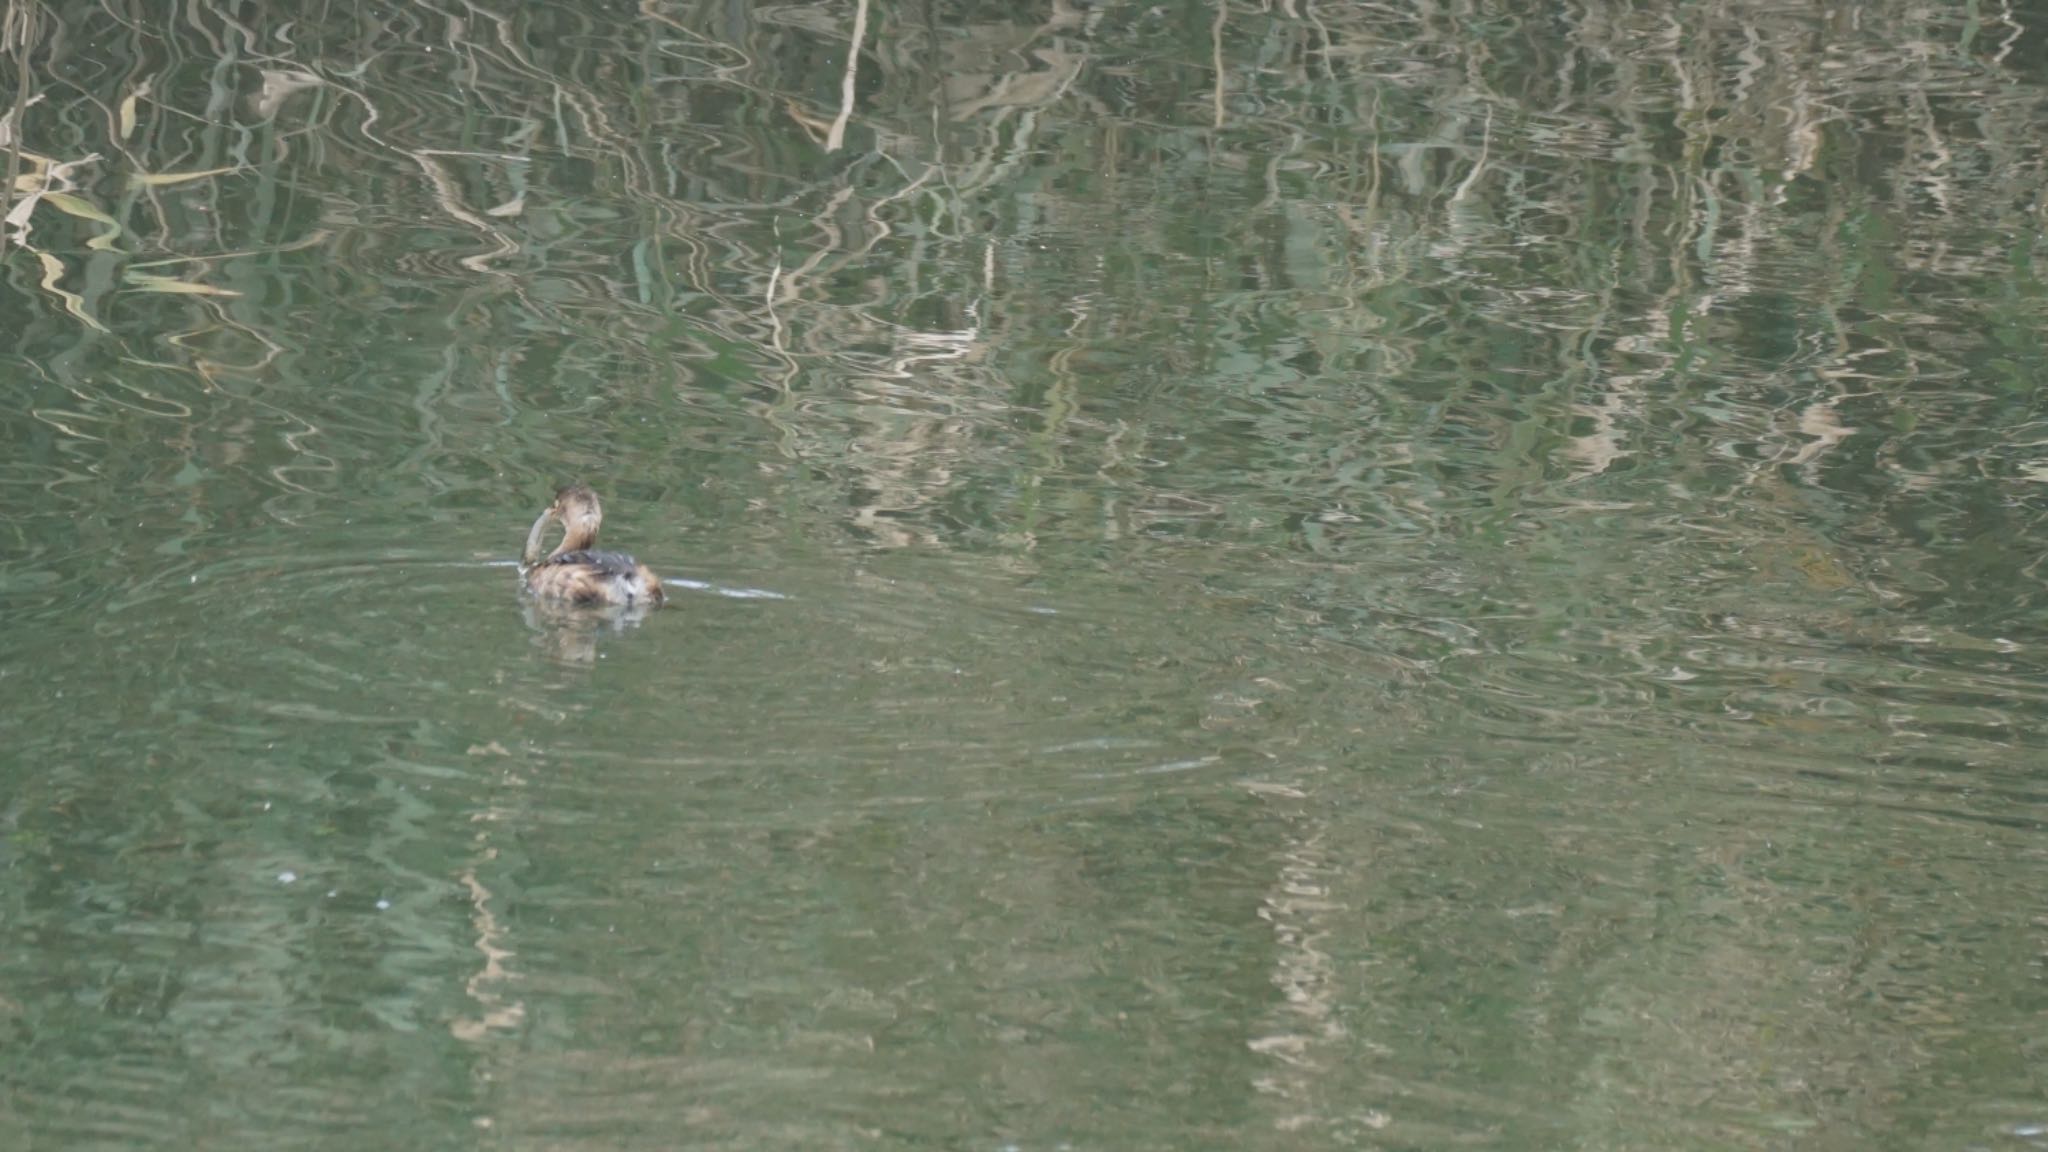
(1245, 574)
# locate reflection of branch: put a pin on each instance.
(1479, 165)
(51, 183)
(450, 199)
(837, 136)
(19, 31)
(1216, 54)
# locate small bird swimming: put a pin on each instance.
(576, 572)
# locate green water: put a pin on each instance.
(1296, 575)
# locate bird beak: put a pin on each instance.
(531, 556)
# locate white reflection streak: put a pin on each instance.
(2005, 17)
(837, 136)
(920, 347)
(1216, 57)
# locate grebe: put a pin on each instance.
(576, 572)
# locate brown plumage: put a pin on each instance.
(576, 572)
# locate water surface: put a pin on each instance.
(1245, 576)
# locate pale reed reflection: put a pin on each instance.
(496, 1012)
(1303, 1036)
